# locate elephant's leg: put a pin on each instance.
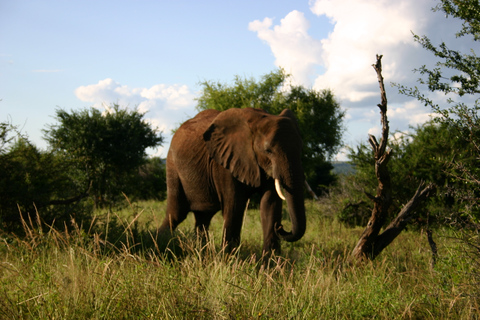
(177, 204)
(233, 212)
(271, 214)
(202, 223)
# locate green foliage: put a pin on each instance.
(244, 93)
(457, 76)
(313, 110)
(421, 156)
(57, 182)
(6, 130)
(149, 182)
(31, 179)
(107, 147)
(70, 275)
(456, 73)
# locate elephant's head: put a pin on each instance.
(251, 143)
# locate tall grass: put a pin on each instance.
(114, 271)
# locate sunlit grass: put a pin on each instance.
(114, 272)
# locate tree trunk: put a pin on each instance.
(371, 243)
(309, 189)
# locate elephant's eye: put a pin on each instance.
(267, 147)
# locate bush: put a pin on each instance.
(32, 180)
(424, 155)
(149, 181)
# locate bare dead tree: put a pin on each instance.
(309, 189)
(372, 242)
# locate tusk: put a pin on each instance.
(279, 191)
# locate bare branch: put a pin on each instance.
(402, 219)
(383, 198)
(383, 105)
(371, 196)
(371, 243)
(373, 142)
(309, 189)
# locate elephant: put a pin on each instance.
(218, 160)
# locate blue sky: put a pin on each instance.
(153, 54)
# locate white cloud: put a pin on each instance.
(375, 131)
(294, 49)
(166, 106)
(360, 30)
(342, 155)
(411, 112)
(176, 96)
(160, 96)
(400, 117)
(363, 29)
(104, 91)
(400, 136)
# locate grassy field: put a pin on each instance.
(115, 271)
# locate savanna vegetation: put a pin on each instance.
(93, 159)
(78, 221)
(111, 270)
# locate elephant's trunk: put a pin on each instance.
(296, 208)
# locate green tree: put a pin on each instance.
(6, 130)
(107, 147)
(318, 114)
(149, 181)
(423, 155)
(34, 181)
(457, 75)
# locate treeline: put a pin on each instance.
(92, 161)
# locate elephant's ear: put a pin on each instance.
(229, 141)
(289, 114)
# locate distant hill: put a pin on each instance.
(342, 167)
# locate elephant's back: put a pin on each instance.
(200, 122)
(193, 128)
(206, 115)
(187, 143)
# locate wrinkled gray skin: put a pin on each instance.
(218, 160)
